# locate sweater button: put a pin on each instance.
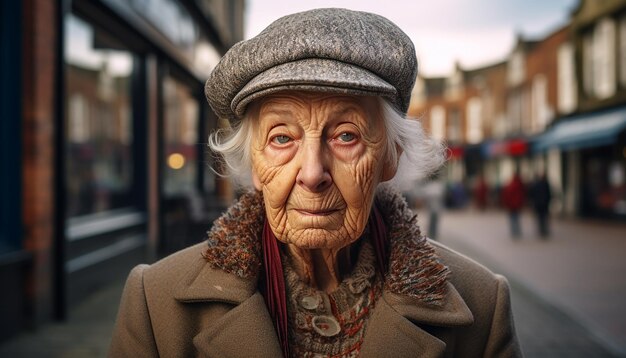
(309, 302)
(326, 326)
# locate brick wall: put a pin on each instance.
(39, 68)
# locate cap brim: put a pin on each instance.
(316, 75)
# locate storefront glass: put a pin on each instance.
(181, 147)
(604, 183)
(99, 120)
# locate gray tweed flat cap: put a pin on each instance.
(323, 50)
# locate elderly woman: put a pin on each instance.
(319, 258)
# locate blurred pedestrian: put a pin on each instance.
(481, 192)
(513, 198)
(433, 191)
(456, 195)
(541, 196)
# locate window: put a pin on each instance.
(566, 77)
(99, 155)
(172, 19)
(622, 51)
(454, 126)
(454, 85)
(181, 111)
(516, 71)
(438, 122)
(515, 112)
(604, 59)
(588, 66)
(539, 104)
(418, 94)
(474, 120)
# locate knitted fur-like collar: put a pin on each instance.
(234, 245)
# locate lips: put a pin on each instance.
(315, 212)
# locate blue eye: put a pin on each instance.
(281, 139)
(347, 137)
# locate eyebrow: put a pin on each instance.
(346, 109)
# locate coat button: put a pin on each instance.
(326, 326)
(309, 302)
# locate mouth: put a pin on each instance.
(313, 212)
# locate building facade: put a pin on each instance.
(104, 136)
(587, 138)
(556, 105)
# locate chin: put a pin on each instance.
(319, 239)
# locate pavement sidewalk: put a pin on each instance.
(86, 333)
(580, 269)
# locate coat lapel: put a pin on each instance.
(245, 330)
(213, 284)
(396, 328)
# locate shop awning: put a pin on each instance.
(584, 131)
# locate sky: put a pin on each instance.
(473, 33)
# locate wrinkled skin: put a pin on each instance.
(318, 158)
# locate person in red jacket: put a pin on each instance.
(481, 193)
(513, 198)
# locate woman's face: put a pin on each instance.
(318, 159)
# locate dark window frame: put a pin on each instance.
(11, 126)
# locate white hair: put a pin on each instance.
(419, 154)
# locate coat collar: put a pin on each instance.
(234, 245)
(397, 324)
(230, 269)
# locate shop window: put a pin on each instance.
(99, 154)
(616, 197)
(181, 147)
(604, 184)
(172, 19)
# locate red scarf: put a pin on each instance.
(274, 290)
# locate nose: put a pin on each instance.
(313, 175)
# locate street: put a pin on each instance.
(567, 291)
(545, 332)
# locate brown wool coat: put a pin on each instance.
(183, 306)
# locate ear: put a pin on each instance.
(256, 181)
(391, 167)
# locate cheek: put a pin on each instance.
(357, 183)
(267, 163)
(276, 176)
(359, 177)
